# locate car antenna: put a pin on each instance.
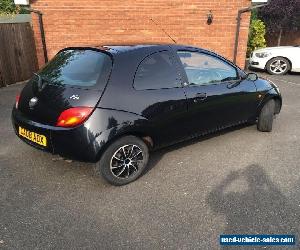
(163, 30)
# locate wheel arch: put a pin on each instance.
(278, 104)
(271, 96)
(144, 135)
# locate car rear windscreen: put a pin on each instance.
(78, 67)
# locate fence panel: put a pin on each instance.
(17, 53)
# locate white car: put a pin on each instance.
(276, 60)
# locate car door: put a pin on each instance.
(159, 92)
(217, 96)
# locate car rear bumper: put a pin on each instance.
(75, 143)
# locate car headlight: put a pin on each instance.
(262, 54)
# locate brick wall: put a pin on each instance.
(91, 22)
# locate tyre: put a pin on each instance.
(266, 117)
(123, 161)
(278, 66)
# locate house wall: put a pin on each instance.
(92, 22)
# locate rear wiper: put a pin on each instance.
(41, 81)
(40, 77)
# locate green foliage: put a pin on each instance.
(23, 10)
(8, 8)
(254, 15)
(256, 35)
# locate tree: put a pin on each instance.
(8, 8)
(281, 15)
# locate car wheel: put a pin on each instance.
(123, 161)
(266, 117)
(278, 66)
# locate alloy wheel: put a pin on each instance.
(126, 161)
(278, 66)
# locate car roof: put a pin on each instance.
(152, 48)
(120, 48)
(144, 49)
(136, 47)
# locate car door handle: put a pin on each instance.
(200, 97)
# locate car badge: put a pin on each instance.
(33, 101)
(74, 97)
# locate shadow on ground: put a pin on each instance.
(258, 207)
(157, 155)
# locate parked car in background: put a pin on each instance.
(113, 104)
(276, 60)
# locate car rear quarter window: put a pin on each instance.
(78, 67)
(204, 69)
(157, 71)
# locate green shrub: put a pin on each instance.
(256, 35)
(8, 8)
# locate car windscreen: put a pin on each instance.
(78, 67)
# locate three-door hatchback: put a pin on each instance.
(113, 104)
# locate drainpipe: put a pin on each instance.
(237, 32)
(41, 25)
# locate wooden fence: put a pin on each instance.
(17, 53)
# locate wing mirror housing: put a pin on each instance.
(251, 76)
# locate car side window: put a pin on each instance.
(157, 71)
(204, 69)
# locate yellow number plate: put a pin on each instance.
(32, 136)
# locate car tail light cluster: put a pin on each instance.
(17, 101)
(73, 116)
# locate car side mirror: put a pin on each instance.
(251, 76)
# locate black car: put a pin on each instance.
(113, 104)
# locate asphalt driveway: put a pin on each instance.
(239, 181)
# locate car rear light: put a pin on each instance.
(73, 116)
(17, 101)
